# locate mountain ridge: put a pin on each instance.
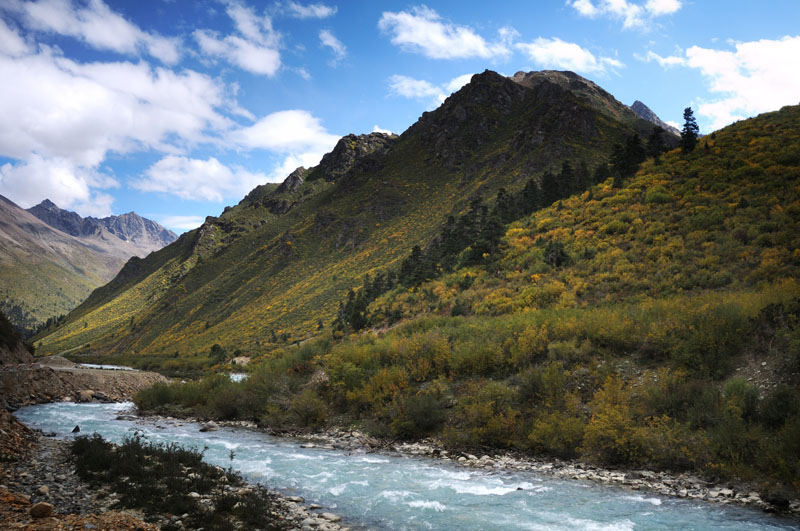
(298, 249)
(145, 234)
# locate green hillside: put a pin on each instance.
(273, 269)
(652, 324)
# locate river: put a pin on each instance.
(387, 491)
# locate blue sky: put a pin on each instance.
(175, 109)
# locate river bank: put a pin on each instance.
(55, 379)
(43, 479)
(678, 485)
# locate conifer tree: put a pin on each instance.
(690, 131)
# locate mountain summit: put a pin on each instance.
(144, 234)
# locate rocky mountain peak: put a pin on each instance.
(350, 149)
(292, 182)
(129, 227)
(644, 112)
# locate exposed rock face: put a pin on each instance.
(644, 112)
(292, 182)
(350, 149)
(130, 227)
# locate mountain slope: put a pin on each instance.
(652, 322)
(45, 272)
(275, 267)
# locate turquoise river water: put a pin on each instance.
(388, 491)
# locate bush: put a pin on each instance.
(420, 415)
(309, 409)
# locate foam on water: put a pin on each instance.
(426, 504)
(388, 491)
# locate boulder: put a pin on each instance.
(209, 426)
(86, 395)
(331, 517)
(44, 490)
(42, 510)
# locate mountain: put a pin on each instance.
(143, 233)
(275, 267)
(644, 112)
(46, 271)
(650, 321)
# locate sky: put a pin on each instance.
(175, 109)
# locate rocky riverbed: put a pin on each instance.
(40, 489)
(680, 485)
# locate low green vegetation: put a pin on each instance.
(653, 321)
(160, 478)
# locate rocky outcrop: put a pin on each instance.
(645, 113)
(292, 182)
(351, 149)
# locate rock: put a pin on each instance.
(310, 522)
(41, 510)
(44, 490)
(314, 507)
(296, 499)
(86, 395)
(76, 429)
(209, 426)
(331, 517)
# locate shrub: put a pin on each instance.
(309, 409)
(420, 415)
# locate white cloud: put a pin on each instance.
(555, 53)
(59, 108)
(458, 82)
(377, 129)
(197, 179)
(423, 31)
(409, 87)
(296, 134)
(61, 181)
(756, 77)
(95, 24)
(255, 48)
(665, 62)
(753, 78)
(180, 223)
(297, 10)
(632, 14)
(11, 43)
(62, 118)
(326, 38)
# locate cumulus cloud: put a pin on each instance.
(255, 47)
(555, 53)
(11, 43)
(298, 10)
(68, 185)
(411, 88)
(632, 14)
(752, 78)
(329, 40)
(423, 31)
(197, 179)
(95, 24)
(296, 134)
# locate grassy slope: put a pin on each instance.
(680, 280)
(250, 272)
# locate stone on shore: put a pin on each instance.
(42, 510)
